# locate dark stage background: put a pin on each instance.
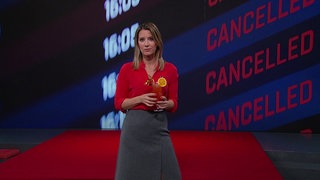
(244, 65)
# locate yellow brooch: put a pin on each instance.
(162, 82)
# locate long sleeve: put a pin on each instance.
(173, 87)
(122, 88)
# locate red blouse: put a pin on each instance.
(132, 83)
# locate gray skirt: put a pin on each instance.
(146, 151)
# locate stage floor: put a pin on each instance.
(296, 156)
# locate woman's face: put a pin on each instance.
(146, 43)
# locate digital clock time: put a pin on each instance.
(119, 43)
(115, 8)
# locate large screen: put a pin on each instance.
(243, 65)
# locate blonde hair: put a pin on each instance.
(158, 40)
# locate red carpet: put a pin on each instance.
(89, 154)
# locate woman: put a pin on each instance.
(146, 151)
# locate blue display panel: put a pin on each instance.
(243, 66)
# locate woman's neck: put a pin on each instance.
(150, 61)
(150, 66)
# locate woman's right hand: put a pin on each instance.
(149, 99)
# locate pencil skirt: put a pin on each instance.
(146, 151)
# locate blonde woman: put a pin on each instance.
(146, 89)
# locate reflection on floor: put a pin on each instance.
(296, 156)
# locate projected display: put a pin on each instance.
(243, 65)
(115, 8)
(119, 43)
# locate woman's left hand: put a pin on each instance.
(164, 103)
